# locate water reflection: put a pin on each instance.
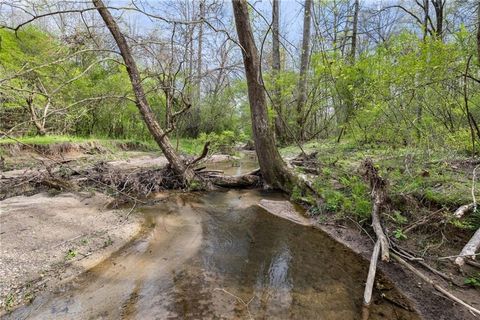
(219, 256)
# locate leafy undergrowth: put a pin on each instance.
(425, 188)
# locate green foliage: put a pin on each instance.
(398, 234)
(398, 218)
(108, 242)
(403, 92)
(70, 254)
(221, 142)
(473, 281)
(9, 301)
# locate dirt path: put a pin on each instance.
(46, 239)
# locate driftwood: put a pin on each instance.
(367, 295)
(436, 286)
(461, 211)
(379, 196)
(469, 250)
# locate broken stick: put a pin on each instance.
(469, 250)
(367, 295)
(460, 212)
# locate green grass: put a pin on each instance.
(427, 175)
(185, 145)
(44, 140)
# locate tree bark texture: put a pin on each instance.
(305, 59)
(273, 169)
(276, 67)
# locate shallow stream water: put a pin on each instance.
(218, 256)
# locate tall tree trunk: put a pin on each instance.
(353, 50)
(272, 167)
(200, 52)
(426, 11)
(276, 66)
(178, 165)
(302, 83)
(439, 5)
(478, 32)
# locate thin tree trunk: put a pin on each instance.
(200, 51)
(276, 66)
(425, 19)
(33, 115)
(478, 32)
(178, 165)
(302, 83)
(439, 5)
(272, 167)
(354, 31)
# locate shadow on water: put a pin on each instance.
(218, 256)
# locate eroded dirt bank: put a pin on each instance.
(47, 239)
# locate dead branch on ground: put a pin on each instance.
(378, 186)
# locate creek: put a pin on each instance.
(217, 255)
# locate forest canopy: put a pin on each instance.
(405, 83)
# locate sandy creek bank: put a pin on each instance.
(37, 232)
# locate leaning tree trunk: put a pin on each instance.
(178, 165)
(302, 83)
(272, 167)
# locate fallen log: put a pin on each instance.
(367, 295)
(461, 211)
(469, 249)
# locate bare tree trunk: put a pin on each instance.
(478, 32)
(302, 83)
(272, 167)
(425, 19)
(354, 31)
(200, 52)
(276, 66)
(439, 5)
(178, 165)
